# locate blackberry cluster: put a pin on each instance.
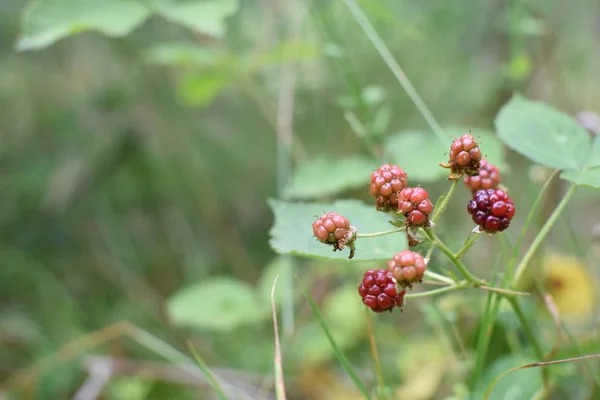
(489, 177)
(386, 182)
(407, 267)
(378, 291)
(491, 209)
(414, 203)
(335, 230)
(464, 157)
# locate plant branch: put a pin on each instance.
(443, 203)
(376, 234)
(457, 286)
(471, 239)
(438, 277)
(537, 348)
(542, 235)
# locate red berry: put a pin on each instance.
(335, 230)
(489, 177)
(491, 209)
(386, 182)
(464, 157)
(415, 205)
(407, 267)
(378, 291)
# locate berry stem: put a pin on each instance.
(542, 235)
(382, 233)
(456, 286)
(537, 348)
(441, 205)
(459, 265)
(471, 239)
(438, 277)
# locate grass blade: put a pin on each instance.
(279, 385)
(206, 371)
(338, 353)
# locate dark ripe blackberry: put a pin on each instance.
(489, 177)
(386, 182)
(378, 291)
(414, 203)
(464, 157)
(334, 229)
(491, 209)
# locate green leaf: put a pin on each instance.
(181, 53)
(220, 304)
(593, 159)
(586, 177)
(344, 310)
(46, 21)
(420, 153)
(542, 134)
(202, 88)
(292, 231)
(521, 384)
(129, 388)
(325, 177)
(207, 17)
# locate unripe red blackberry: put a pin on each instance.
(378, 291)
(386, 182)
(335, 230)
(407, 267)
(464, 157)
(414, 203)
(489, 177)
(491, 209)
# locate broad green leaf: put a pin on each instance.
(542, 134)
(46, 21)
(593, 159)
(325, 177)
(220, 304)
(586, 177)
(202, 88)
(182, 53)
(521, 384)
(292, 231)
(420, 153)
(203, 16)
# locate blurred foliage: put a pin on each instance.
(139, 146)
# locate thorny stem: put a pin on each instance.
(471, 239)
(439, 277)
(439, 208)
(459, 265)
(537, 348)
(542, 235)
(382, 233)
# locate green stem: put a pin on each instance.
(374, 351)
(542, 235)
(459, 265)
(382, 233)
(392, 64)
(439, 277)
(457, 286)
(439, 208)
(471, 239)
(537, 348)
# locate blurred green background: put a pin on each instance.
(136, 168)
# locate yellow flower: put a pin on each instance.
(571, 285)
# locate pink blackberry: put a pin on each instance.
(386, 182)
(489, 177)
(378, 291)
(491, 209)
(414, 203)
(335, 230)
(407, 267)
(464, 157)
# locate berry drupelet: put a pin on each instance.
(335, 230)
(414, 203)
(378, 291)
(407, 267)
(386, 182)
(464, 157)
(489, 177)
(491, 209)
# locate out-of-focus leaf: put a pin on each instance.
(203, 16)
(182, 53)
(344, 309)
(201, 88)
(518, 385)
(381, 120)
(129, 388)
(46, 21)
(373, 95)
(542, 134)
(265, 283)
(292, 231)
(285, 52)
(325, 177)
(220, 304)
(420, 153)
(587, 177)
